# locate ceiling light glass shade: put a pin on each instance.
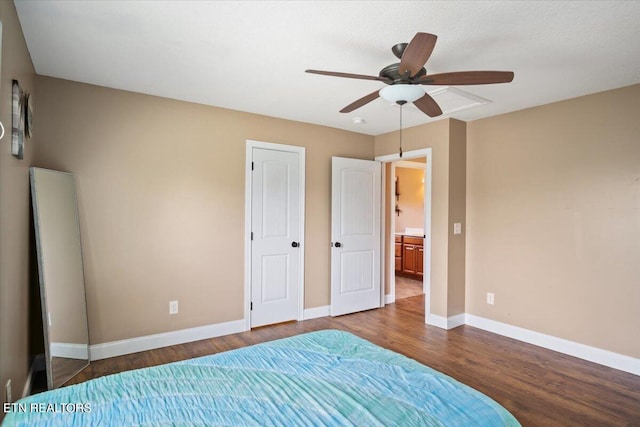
(401, 92)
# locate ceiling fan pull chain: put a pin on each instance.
(401, 130)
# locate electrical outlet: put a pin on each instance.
(490, 298)
(173, 307)
(8, 397)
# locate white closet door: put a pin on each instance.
(275, 248)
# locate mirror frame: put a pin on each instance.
(75, 368)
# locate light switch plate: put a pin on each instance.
(457, 228)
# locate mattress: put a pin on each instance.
(324, 378)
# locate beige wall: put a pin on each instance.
(411, 200)
(15, 256)
(457, 214)
(161, 201)
(553, 212)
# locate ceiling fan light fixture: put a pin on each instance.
(406, 78)
(402, 92)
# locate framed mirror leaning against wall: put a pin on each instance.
(2, 132)
(60, 271)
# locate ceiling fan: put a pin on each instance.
(405, 77)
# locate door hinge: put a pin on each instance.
(251, 306)
(251, 165)
(252, 235)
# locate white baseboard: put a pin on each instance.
(389, 299)
(315, 312)
(435, 320)
(69, 350)
(582, 351)
(457, 320)
(446, 322)
(150, 342)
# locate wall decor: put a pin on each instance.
(28, 115)
(17, 121)
(1, 125)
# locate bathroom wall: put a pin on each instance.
(410, 183)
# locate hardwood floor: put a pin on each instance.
(407, 288)
(540, 387)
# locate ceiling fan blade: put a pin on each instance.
(428, 105)
(417, 53)
(468, 78)
(348, 75)
(360, 102)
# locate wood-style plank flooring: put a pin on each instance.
(540, 387)
(407, 288)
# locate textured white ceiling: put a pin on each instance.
(251, 55)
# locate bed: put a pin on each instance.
(324, 378)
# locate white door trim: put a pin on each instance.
(425, 152)
(250, 145)
(409, 165)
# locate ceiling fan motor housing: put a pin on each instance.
(391, 72)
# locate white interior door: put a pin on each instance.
(275, 245)
(355, 235)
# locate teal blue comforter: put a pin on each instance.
(325, 378)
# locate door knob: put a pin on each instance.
(295, 244)
(338, 245)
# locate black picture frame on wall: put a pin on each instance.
(17, 120)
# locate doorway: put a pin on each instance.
(419, 255)
(408, 206)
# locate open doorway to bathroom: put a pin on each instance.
(409, 179)
(405, 228)
(415, 234)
